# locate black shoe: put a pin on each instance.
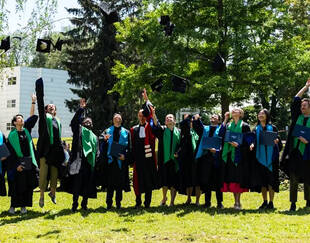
(137, 206)
(270, 205)
(73, 209)
(207, 205)
(220, 206)
(308, 204)
(84, 207)
(118, 205)
(147, 205)
(109, 206)
(263, 206)
(293, 207)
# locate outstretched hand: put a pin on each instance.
(144, 95)
(33, 98)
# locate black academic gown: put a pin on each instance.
(239, 173)
(210, 167)
(261, 176)
(21, 184)
(2, 175)
(145, 168)
(54, 153)
(292, 161)
(167, 173)
(114, 177)
(82, 183)
(186, 157)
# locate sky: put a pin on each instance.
(14, 20)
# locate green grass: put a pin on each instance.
(56, 223)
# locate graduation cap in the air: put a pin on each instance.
(178, 84)
(44, 45)
(110, 13)
(157, 85)
(58, 44)
(164, 20)
(5, 44)
(169, 29)
(218, 63)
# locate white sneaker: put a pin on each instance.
(23, 210)
(12, 210)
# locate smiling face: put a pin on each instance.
(215, 120)
(117, 120)
(51, 109)
(236, 113)
(170, 121)
(141, 117)
(305, 107)
(262, 117)
(19, 122)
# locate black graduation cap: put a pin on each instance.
(157, 85)
(169, 29)
(110, 13)
(5, 44)
(178, 84)
(44, 45)
(58, 44)
(218, 63)
(165, 20)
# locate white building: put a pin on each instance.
(18, 84)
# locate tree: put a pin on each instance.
(91, 56)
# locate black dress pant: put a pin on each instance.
(219, 196)
(118, 197)
(76, 199)
(147, 199)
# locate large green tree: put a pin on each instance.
(263, 44)
(91, 54)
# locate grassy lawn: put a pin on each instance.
(56, 223)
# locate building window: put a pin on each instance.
(12, 81)
(9, 126)
(11, 104)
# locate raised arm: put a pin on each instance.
(33, 104)
(198, 125)
(40, 96)
(304, 89)
(78, 116)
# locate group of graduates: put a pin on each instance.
(183, 163)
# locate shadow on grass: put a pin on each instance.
(19, 217)
(67, 211)
(299, 212)
(48, 233)
(181, 210)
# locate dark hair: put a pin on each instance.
(15, 118)
(268, 117)
(45, 107)
(306, 100)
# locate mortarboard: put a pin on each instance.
(44, 45)
(5, 44)
(179, 84)
(157, 85)
(218, 63)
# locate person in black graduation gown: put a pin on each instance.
(116, 172)
(85, 150)
(295, 159)
(210, 168)
(50, 150)
(145, 178)
(186, 157)
(236, 157)
(168, 143)
(265, 169)
(3, 167)
(22, 180)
